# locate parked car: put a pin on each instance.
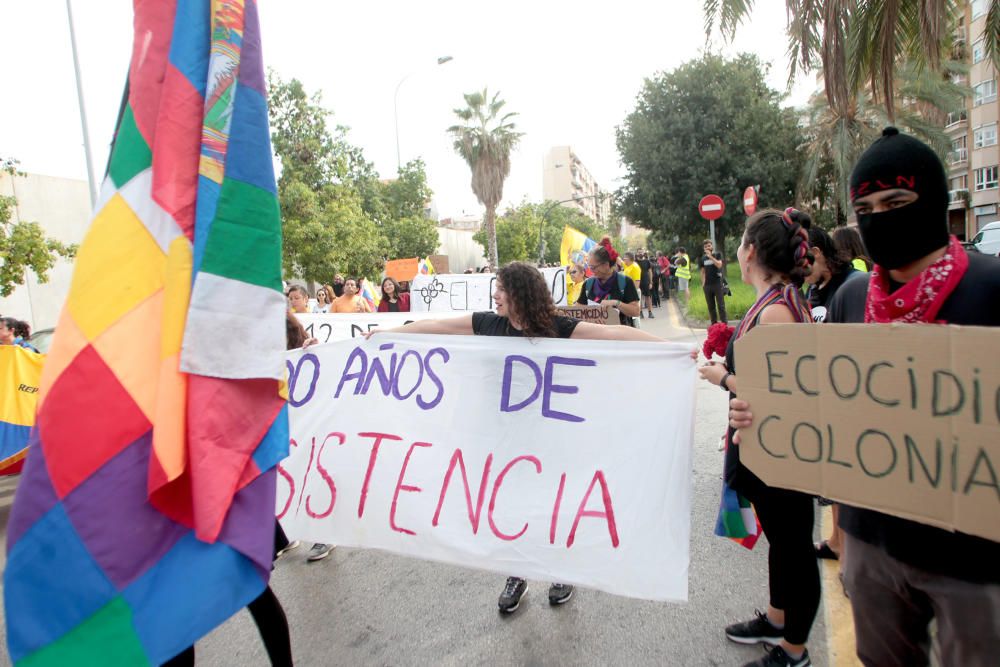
(987, 241)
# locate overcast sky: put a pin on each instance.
(571, 70)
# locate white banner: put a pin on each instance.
(505, 454)
(471, 291)
(331, 327)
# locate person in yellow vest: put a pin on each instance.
(575, 276)
(683, 264)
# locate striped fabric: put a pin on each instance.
(145, 514)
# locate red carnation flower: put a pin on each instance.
(718, 339)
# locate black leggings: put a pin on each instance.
(272, 625)
(793, 573)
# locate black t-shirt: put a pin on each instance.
(973, 303)
(486, 323)
(819, 297)
(394, 306)
(629, 295)
(645, 271)
(711, 270)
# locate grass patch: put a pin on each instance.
(736, 305)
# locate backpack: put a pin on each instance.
(588, 286)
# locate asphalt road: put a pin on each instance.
(361, 607)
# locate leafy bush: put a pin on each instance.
(737, 305)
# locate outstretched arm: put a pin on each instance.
(448, 326)
(589, 331)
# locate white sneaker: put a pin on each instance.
(295, 544)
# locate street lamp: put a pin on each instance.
(395, 106)
(551, 207)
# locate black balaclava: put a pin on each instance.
(338, 288)
(903, 235)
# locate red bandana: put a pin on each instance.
(920, 299)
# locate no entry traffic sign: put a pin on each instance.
(750, 200)
(711, 207)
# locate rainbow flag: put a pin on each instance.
(736, 518)
(368, 295)
(575, 246)
(20, 371)
(145, 514)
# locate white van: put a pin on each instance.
(987, 241)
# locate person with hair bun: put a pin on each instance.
(774, 258)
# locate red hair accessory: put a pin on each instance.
(612, 253)
(718, 340)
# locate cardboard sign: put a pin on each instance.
(592, 314)
(401, 269)
(903, 419)
(471, 291)
(440, 263)
(496, 453)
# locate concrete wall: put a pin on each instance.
(62, 207)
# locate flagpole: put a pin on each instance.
(83, 110)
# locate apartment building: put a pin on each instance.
(974, 161)
(566, 180)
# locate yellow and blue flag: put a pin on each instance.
(575, 246)
(20, 372)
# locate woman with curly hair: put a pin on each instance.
(524, 308)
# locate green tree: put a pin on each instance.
(860, 44)
(413, 236)
(484, 140)
(835, 139)
(710, 126)
(515, 238)
(518, 231)
(23, 245)
(323, 190)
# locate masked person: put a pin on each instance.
(901, 574)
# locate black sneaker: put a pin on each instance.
(560, 593)
(510, 599)
(651, 315)
(755, 631)
(778, 658)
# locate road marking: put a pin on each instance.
(840, 644)
(672, 311)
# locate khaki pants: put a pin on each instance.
(894, 603)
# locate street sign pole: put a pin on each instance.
(711, 207)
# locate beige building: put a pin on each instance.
(566, 180)
(974, 161)
(62, 207)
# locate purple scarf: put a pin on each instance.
(603, 289)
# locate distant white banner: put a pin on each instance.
(331, 327)
(471, 291)
(496, 453)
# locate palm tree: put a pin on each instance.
(485, 140)
(836, 138)
(858, 43)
